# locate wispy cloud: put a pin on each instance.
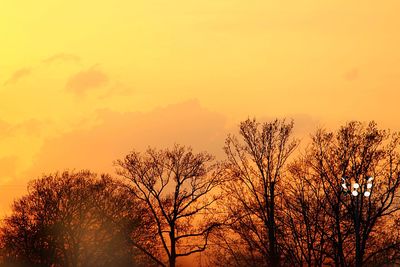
(23, 72)
(4, 126)
(62, 57)
(351, 74)
(117, 133)
(86, 80)
(8, 166)
(31, 127)
(17, 75)
(117, 89)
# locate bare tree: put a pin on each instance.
(304, 240)
(355, 224)
(177, 186)
(255, 166)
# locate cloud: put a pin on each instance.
(17, 75)
(117, 89)
(31, 127)
(23, 72)
(86, 80)
(11, 187)
(4, 129)
(4, 126)
(186, 123)
(64, 57)
(8, 166)
(351, 74)
(10, 191)
(116, 134)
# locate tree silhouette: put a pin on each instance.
(351, 230)
(72, 219)
(304, 242)
(305, 217)
(178, 188)
(255, 167)
(335, 204)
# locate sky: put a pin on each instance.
(82, 83)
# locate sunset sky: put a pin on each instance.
(84, 82)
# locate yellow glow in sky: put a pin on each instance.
(103, 74)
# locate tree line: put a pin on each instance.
(334, 203)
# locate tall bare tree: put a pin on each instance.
(255, 166)
(178, 188)
(355, 224)
(304, 240)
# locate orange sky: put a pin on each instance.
(83, 82)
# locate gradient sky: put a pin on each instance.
(84, 82)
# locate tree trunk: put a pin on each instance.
(172, 259)
(274, 257)
(340, 261)
(358, 236)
